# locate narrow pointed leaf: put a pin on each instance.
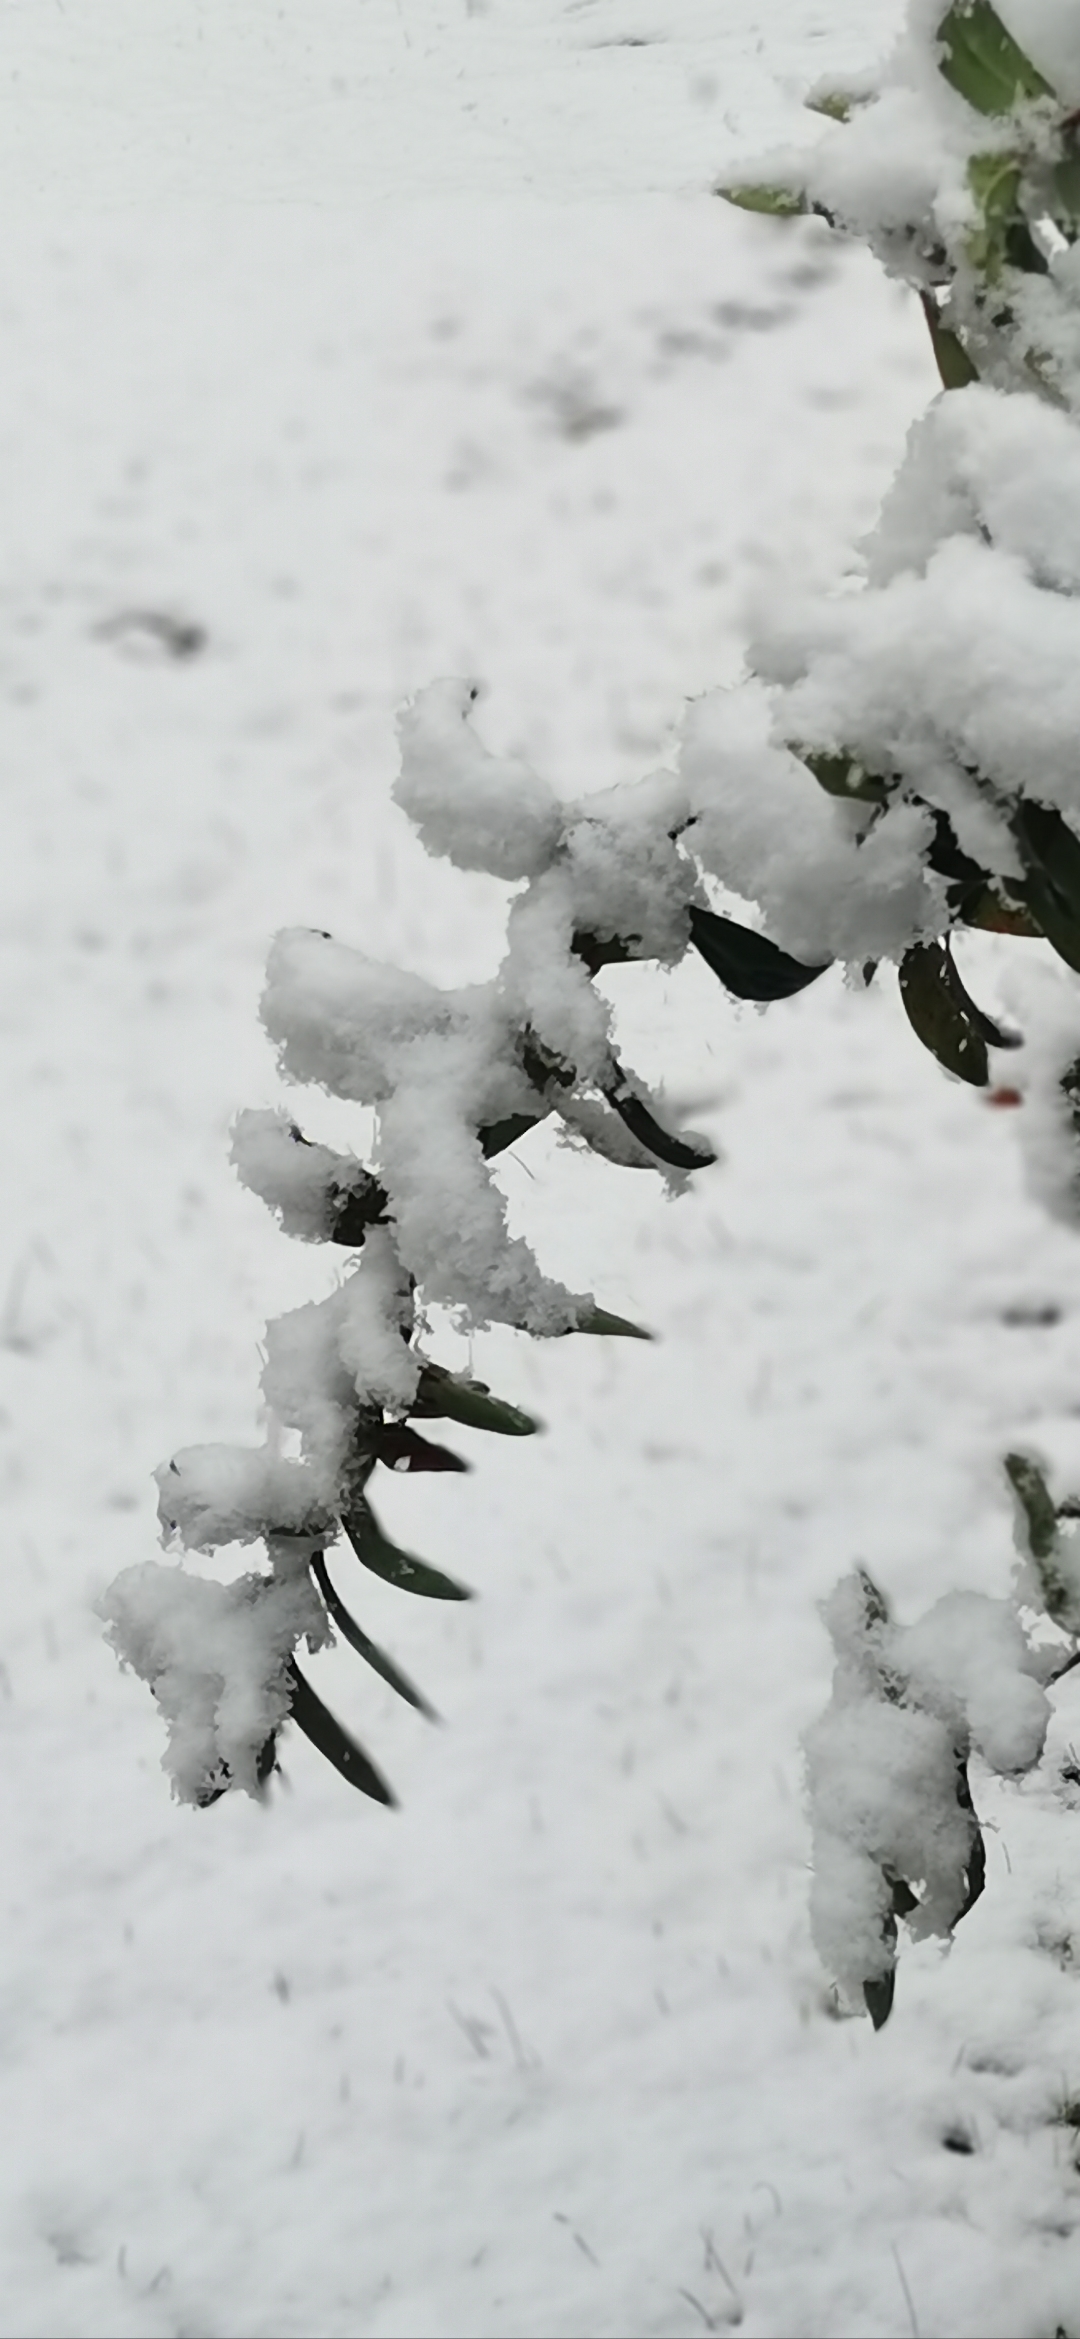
(748, 964)
(330, 1739)
(403, 1449)
(369, 1650)
(879, 1997)
(1054, 919)
(615, 1327)
(501, 1134)
(1046, 838)
(678, 1152)
(837, 105)
(950, 356)
(1037, 1505)
(938, 1017)
(843, 776)
(441, 1393)
(375, 1551)
(975, 1870)
(777, 202)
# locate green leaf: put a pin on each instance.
(327, 1735)
(841, 775)
(952, 360)
(776, 202)
(442, 1394)
(975, 1869)
(980, 59)
(595, 1319)
(1045, 836)
(1058, 927)
(748, 964)
(500, 1134)
(369, 1650)
(374, 1550)
(403, 1450)
(680, 1152)
(1050, 851)
(996, 1035)
(938, 1012)
(879, 1997)
(837, 105)
(993, 913)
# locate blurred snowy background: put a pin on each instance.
(347, 343)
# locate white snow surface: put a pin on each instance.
(355, 348)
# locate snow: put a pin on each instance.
(305, 1184)
(483, 811)
(215, 1657)
(459, 370)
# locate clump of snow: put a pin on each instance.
(303, 1183)
(339, 1019)
(212, 1495)
(216, 1657)
(885, 1760)
(308, 1387)
(968, 1660)
(479, 810)
(882, 1781)
(546, 988)
(828, 884)
(375, 1318)
(628, 877)
(983, 464)
(450, 1217)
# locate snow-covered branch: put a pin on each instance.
(900, 764)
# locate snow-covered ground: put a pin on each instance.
(370, 342)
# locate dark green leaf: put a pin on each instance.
(937, 1014)
(375, 1551)
(1050, 851)
(442, 1394)
(500, 1134)
(352, 1209)
(1045, 837)
(403, 1449)
(952, 360)
(597, 951)
(879, 1997)
(996, 1035)
(843, 776)
(748, 964)
(616, 1327)
(369, 1650)
(330, 1739)
(777, 202)
(981, 60)
(992, 912)
(1054, 919)
(837, 105)
(679, 1152)
(975, 1871)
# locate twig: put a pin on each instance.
(908, 2300)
